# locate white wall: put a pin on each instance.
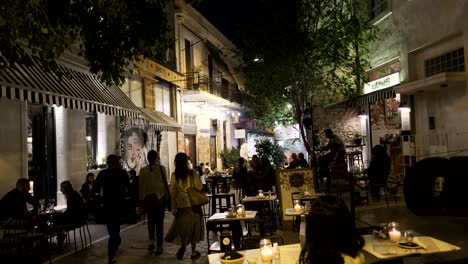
(12, 162)
(107, 136)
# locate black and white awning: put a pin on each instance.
(374, 97)
(76, 89)
(160, 121)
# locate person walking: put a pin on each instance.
(378, 171)
(188, 222)
(154, 191)
(114, 185)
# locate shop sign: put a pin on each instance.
(382, 83)
(239, 133)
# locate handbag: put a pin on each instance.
(197, 198)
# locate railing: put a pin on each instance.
(201, 82)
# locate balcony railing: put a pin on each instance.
(200, 82)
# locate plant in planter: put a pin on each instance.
(229, 157)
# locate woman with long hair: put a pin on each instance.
(330, 234)
(188, 223)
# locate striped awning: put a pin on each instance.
(76, 89)
(160, 121)
(374, 97)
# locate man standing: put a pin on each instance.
(154, 191)
(114, 185)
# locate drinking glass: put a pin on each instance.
(408, 236)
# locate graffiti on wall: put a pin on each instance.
(135, 140)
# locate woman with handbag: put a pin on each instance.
(187, 200)
(154, 192)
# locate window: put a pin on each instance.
(162, 95)
(453, 61)
(378, 7)
(133, 88)
(91, 140)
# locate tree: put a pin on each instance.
(304, 51)
(272, 150)
(109, 34)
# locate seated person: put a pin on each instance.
(87, 187)
(13, 204)
(302, 161)
(74, 214)
(378, 171)
(330, 235)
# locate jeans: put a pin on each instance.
(114, 239)
(155, 210)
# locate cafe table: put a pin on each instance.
(218, 220)
(288, 254)
(386, 249)
(263, 202)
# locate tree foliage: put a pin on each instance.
(272, 150)
(304, 51)
(109, 34)
(229, 157)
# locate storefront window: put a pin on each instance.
(162, 95)
(133, 88)
(91, 141)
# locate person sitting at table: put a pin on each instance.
(13, 204)
(378, 171)
(330, 234)
(240, 177)
(294, 161)
(333, 163)
(87, 187)
(74, 214)
(302, 161)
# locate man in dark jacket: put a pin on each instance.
(114, 185)
(13, 204)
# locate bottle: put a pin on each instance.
(226, 242)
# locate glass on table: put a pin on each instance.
(408, 236)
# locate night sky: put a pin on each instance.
(228, 15)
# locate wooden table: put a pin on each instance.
(289, 254)
(266, 198)
(386, 249)
(217, 220)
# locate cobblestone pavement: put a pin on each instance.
(134, 238)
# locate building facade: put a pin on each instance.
(211, 101)
(424, 42)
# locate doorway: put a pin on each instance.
(42, 158)
(190, 149)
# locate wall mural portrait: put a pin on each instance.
(135, 140)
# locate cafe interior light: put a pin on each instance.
(363, 115)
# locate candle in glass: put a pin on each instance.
(394, 231)
(260, 193)
(297, 206)
(267, 254)
(395, 235)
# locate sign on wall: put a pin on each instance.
(382, 83)
(239, 133)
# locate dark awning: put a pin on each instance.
(160, 121)
(77, 89)
(374, 97)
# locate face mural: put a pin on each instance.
(135, 141)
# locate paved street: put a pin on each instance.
(134, 238)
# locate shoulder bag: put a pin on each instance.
(197, 198)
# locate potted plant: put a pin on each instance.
(357, 138)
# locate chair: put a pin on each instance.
(221, 202)
(254, 242)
